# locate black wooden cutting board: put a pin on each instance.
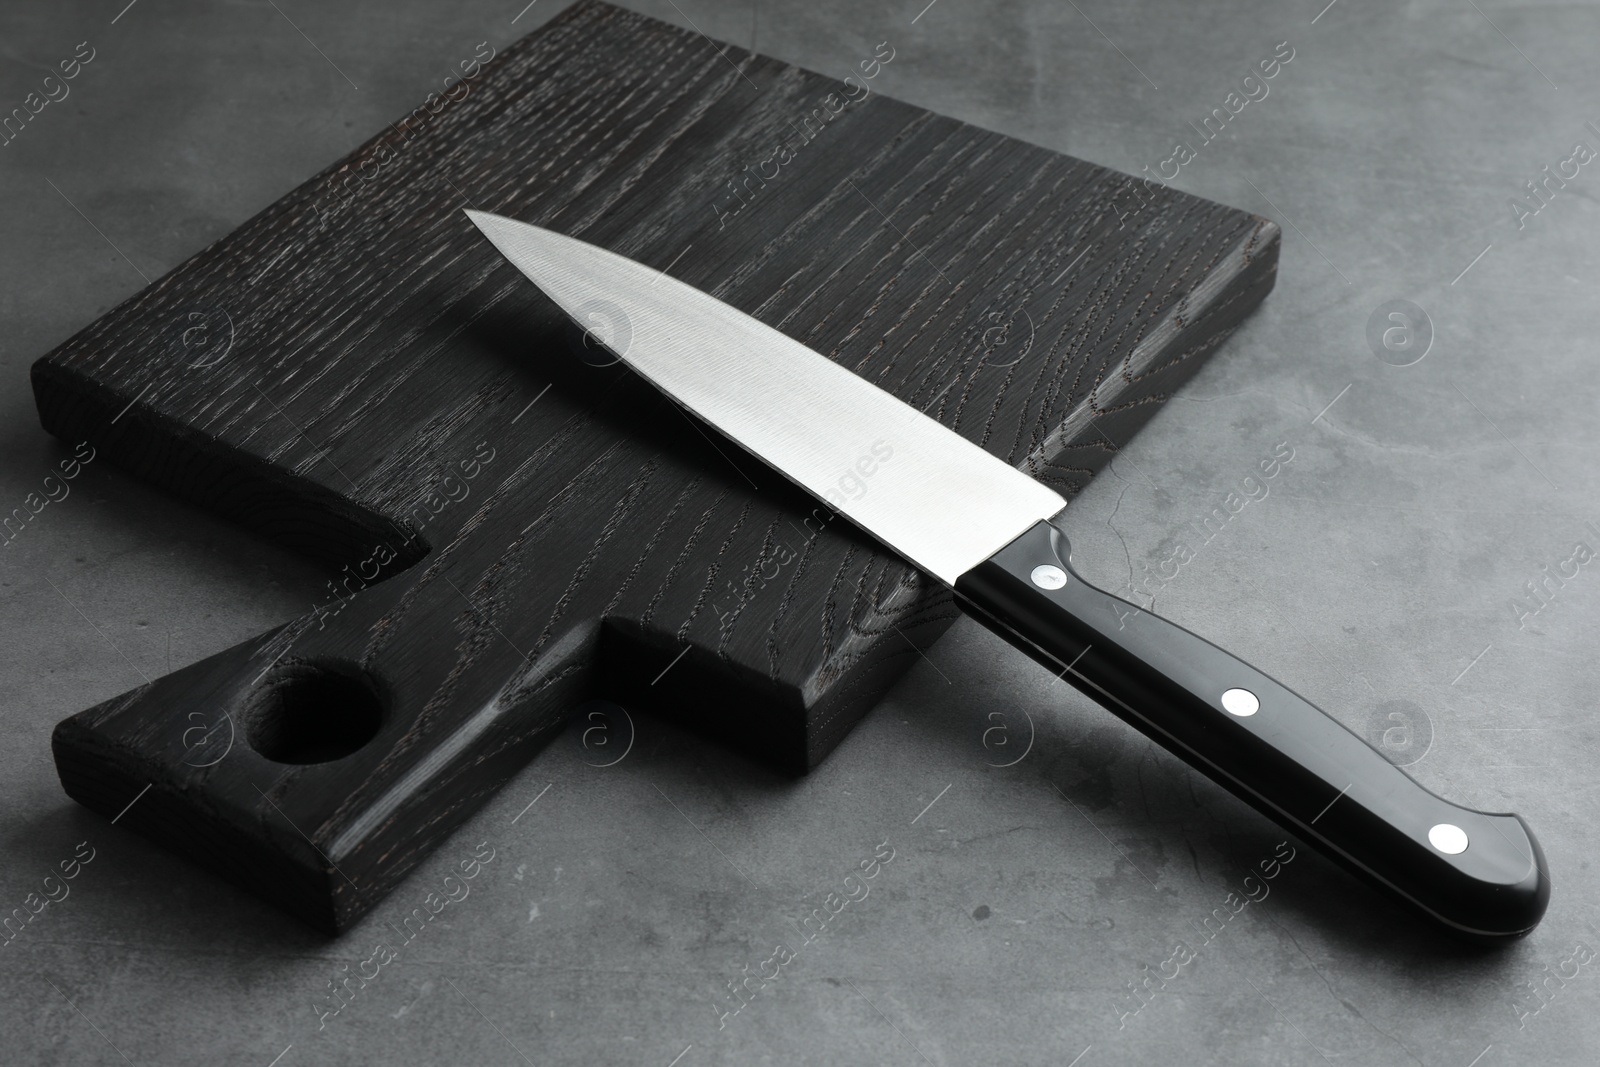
(519, 523)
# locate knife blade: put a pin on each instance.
(984, 529)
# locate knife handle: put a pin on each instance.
(1481, 875)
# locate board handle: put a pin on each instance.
(1478, 874)
(317, 764)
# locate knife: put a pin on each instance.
(985, 529)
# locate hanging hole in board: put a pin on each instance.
(304, 713)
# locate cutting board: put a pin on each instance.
(515, 523)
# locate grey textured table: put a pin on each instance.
(1397, 570)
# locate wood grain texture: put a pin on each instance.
(356, 373)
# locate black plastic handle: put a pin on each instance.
(1267, 745)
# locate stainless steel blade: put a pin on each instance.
(937, 499)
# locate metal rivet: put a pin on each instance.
(1048, 577)
(1448, 838)
(1240, 702)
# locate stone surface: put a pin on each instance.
(1378, 576)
